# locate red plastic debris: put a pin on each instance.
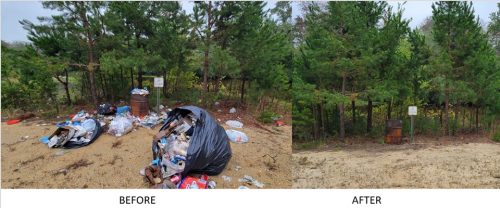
(13, 121)
(279, 123)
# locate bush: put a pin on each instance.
(267, 116)
(496, 137)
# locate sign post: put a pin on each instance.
(158, 83)
(412, 111)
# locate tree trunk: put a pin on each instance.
(90, 45)
(165, 82)
(369, 116)
(242, 92)
(122, 82)
(132, 77)
(463, 119)
(341, 111)
(456, 121)
(477, 119)
(315, 123)
(207, 47)
(389, 109)
(205, 70)
(139, 77)
(353, 106)
(65, 84)
(322, 117)
(446, 111)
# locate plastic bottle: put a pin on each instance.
(193, 185)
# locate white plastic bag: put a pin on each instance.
(234, 124)
(237, 136)
(120, 126)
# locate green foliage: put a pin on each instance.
(27, 81)
(102, 50)
(496, 137)
(267, 116)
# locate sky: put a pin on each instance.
(13, 12)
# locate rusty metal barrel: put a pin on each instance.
(139, 105)
(393, 132)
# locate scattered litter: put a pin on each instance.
(279, 123)
(248, 179)
(13, 121)
(226, 178)
(219, 110)
(106, 109)
(142, 172)
(25, 137)
(237, 168)
(150, 121)
(216, 103)
(122, 109)
(137, 91)
(120, 125)
(44, 139)
(232, 110)
(234, 124)
(75, 134)
(80, 116)
(161, 107)
(212, 185)
(243, 187)
(190, 182)
(237, 136)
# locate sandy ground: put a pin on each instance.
(436, 165)
(27, 163)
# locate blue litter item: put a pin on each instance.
(61, 124)
(155, 162)
(44, 139)
(123, 109)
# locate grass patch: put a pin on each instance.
(310, 145)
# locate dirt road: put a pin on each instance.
(115, 162)
(464, 165)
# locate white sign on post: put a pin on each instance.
(158, 82)
(412, 110)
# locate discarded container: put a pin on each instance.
(190, 182)
(393, 132)
(139, 104)
(237, 136)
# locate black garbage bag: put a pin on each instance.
(70, 137)
(106, 109)
(209, 150)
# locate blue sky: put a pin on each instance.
(13, 12)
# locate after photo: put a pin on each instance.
(397, 95)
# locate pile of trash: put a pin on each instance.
(190, 142)
(84, 128)
(80, 131)
(137, 91)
